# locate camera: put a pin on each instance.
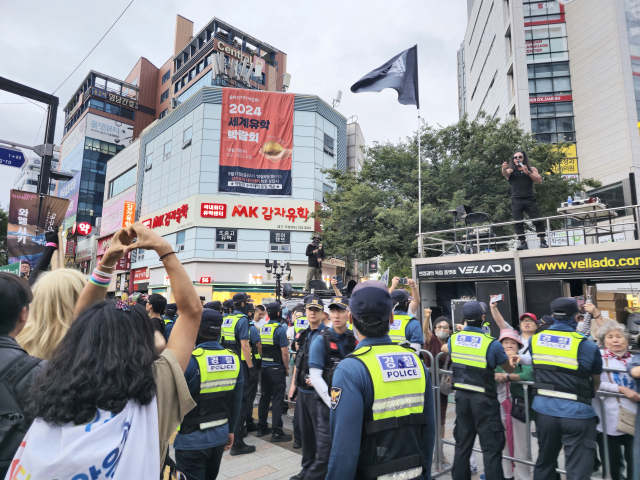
(403, 281)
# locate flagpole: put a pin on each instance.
(420, 249)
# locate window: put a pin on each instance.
(280, 241)
(166, 76)
(124, 181)
(180, 236)
(328, 145)
(167, 151)
(546, 43)
(325, 189)
(163, 113)
(226, 239)
(186, 137)
(164, 96)
(112, 109)
(148, 162)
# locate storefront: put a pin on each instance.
(530, 280)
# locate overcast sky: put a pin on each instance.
(329, 46)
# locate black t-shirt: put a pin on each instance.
(313, 257)
(521, 184)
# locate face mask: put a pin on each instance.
(441, 334)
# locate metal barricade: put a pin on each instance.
(440, 442)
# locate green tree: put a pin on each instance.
(4, 223)
(375, 211)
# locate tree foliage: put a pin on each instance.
(375, 211)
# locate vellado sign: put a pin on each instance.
(232, 212)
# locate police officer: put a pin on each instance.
(215, 382)
(227, 307)
(275, 368)
(256, 356)
(298, 327)
(169, 317)
(236, 337)
(405, 327)
(474, 357)
(326, 351)
(566, 371)
(382, 416)
(315, 449)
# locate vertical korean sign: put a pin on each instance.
(256, 143)
(25, 236)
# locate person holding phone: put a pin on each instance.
(521, 176)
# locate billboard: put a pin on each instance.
(256, 142)
(71, 191)
(25, 233)
(107, 130)
(232, 211)
(113, 213)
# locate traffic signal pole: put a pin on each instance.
(49, 134)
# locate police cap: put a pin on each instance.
(473, 310)
(273, 308)
(211, 319)
(240, 297)
(400, 296)
(564, 307)
(217, 305)
(171, 306)
(371, 298)
(313, 301)
(227, 305)
(339, 302)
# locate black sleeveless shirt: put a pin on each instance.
(521, 184)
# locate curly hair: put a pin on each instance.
(105, 359)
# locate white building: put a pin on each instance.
(27, 177)
(567, 73)
(177, 165)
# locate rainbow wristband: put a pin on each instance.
(100, 282)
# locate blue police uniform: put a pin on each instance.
(478, 413)
(317, 348)
(274, 377)
(193, 447)
(347, 416)
(251, 389)
(566, 422)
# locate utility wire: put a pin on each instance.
(39, 106)
(96, 46)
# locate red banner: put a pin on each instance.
(256, 144)
(551, 98)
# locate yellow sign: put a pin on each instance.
(567, 166)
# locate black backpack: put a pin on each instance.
(13, 426)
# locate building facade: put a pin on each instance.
(568, 73)
(27, 177)
(178, 189)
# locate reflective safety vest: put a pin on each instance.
(392, 427)
(219, 371)
(167, 320)
(299, 325)
(270, 351)
(228, 337)
(332, 355)
(255, 354)
(556, 370)
(399, 327)
(469, 363)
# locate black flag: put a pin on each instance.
(399, 73)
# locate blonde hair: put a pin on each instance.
(55, 295)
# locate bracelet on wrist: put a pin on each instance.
(51, 244)
(166, 254)
(107, 266)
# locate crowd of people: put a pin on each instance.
(93, 388)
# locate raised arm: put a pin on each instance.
(533, 174)
(334, 284)
(394, 284)
(415, 296)
(506, 171)
(497, 316)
